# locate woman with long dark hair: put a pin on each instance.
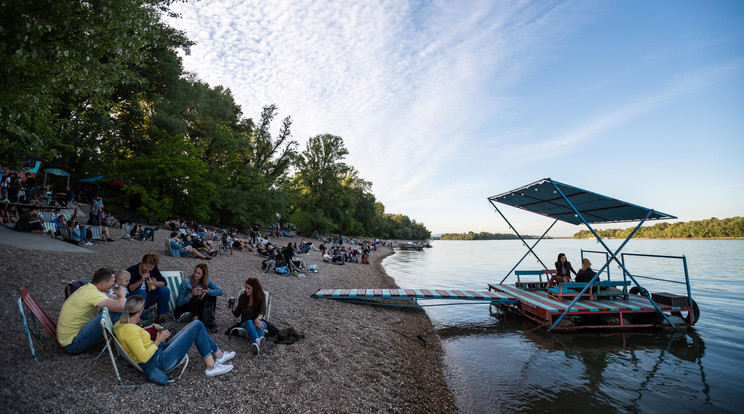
(198, 295)
(252, 309)
(563, 270)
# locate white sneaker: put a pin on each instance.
(262, 343)
(226, 356)
(255, 350)
(88, 243)
(218, 370)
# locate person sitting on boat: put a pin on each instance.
(563, 270)
(586, 273)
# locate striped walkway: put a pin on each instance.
(471, 295)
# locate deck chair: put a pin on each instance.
(50, 227)
(174, 279)
(126, 231)
(44, 319)
(96, 232)
(168, 251)
(241, 331)
(66, 233)
(38, 315)
(109, 338)
(46, 216)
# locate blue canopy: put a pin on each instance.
(544, 197)
(92, 179)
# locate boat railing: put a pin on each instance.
(659, 256)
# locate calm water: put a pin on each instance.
(502, 363)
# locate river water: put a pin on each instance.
(497, 362)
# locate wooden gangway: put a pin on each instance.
(474, 296)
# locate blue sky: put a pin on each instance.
(444, 103)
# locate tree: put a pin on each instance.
(61, 59)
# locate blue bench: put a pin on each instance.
(570, 290)
(610, 288)
(533, 285)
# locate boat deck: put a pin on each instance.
(636, 311)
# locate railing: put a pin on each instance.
(684, 265)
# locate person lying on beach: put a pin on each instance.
(563, 271)
(197, 294)
(178, 249)
(251, 309)
(158, 357)
(586, 273)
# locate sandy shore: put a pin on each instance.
(354, 358)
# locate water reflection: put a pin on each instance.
(532, 370)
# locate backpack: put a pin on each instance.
(72, 287)
(288, 336)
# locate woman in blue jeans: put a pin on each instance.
(252, 309)
(158, 357)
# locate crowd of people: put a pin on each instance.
(133, 293)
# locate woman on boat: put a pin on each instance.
(563, 270)
(198, 295)
(586, 273)
(252, 309)
(158, 357)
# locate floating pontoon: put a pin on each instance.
(598, 304)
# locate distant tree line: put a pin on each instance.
(481, 236)
(98, 88)
(711, 228)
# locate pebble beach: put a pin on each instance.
(354, 357)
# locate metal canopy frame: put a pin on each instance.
(577, 206)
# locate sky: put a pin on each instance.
(442, 104)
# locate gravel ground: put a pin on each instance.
(354, 357)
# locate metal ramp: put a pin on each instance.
(470, 296)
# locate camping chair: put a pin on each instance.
(44, 320)
(66, 234)
(241, 331)
(50, 228)
(174, 279)
(96, 233)
(168, 251)
(108, 336)
(39, 315)
(126, 231)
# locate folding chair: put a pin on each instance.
(241, 331)
(109, 337)
(39, 315)
(168, 251)
(96, 232)
(126, 231)
(44, 320)
(174, 279)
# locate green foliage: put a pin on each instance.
(711, 228)
(97, 88)
(480, 236)
(169, 178)
(64, 58)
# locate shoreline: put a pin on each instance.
(354, 357)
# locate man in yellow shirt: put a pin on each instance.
(79, 324)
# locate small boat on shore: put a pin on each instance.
(411, 246)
